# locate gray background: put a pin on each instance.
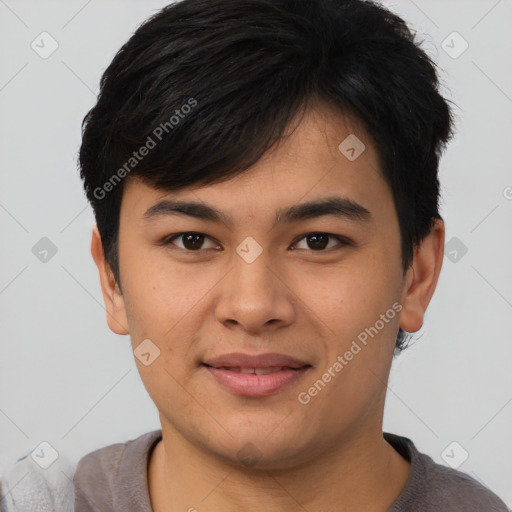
(66, 379)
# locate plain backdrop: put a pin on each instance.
(66, 379)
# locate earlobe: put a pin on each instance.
(112, 296)
(422, 277)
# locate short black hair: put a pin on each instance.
(207, 87)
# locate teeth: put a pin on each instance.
(265, 371)
(257, 371)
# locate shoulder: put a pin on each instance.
(114, 473)
(30, 485)
(108, 459)
(460, 490)
(432, 487)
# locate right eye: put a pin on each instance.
(191, 241)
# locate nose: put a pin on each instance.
(255, 296)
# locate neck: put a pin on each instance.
(363, 473)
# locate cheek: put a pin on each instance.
(159, 294)
(359, 344)
(351, 296)
(163, 302)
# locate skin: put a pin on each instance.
(328, 454)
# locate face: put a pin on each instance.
(272, 327)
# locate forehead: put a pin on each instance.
(322, 153)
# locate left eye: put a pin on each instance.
(319, 241)
(193, 242)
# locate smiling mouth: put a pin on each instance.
(255, 371)
(256, 382)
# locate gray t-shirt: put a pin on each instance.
(114, 479)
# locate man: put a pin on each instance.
(264, 180)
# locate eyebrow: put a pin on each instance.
(336, 206)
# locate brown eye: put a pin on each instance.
(192, 241)
(317, 241)
(189, 241)
(320, 241)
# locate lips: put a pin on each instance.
(269, 360)
(255, 376)
(255, 371)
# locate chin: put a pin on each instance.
(260, 452)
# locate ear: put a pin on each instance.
(112, 296)
(421, 278)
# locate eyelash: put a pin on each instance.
(343, 241)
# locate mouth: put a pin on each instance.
(255, 376)
(256, 371)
